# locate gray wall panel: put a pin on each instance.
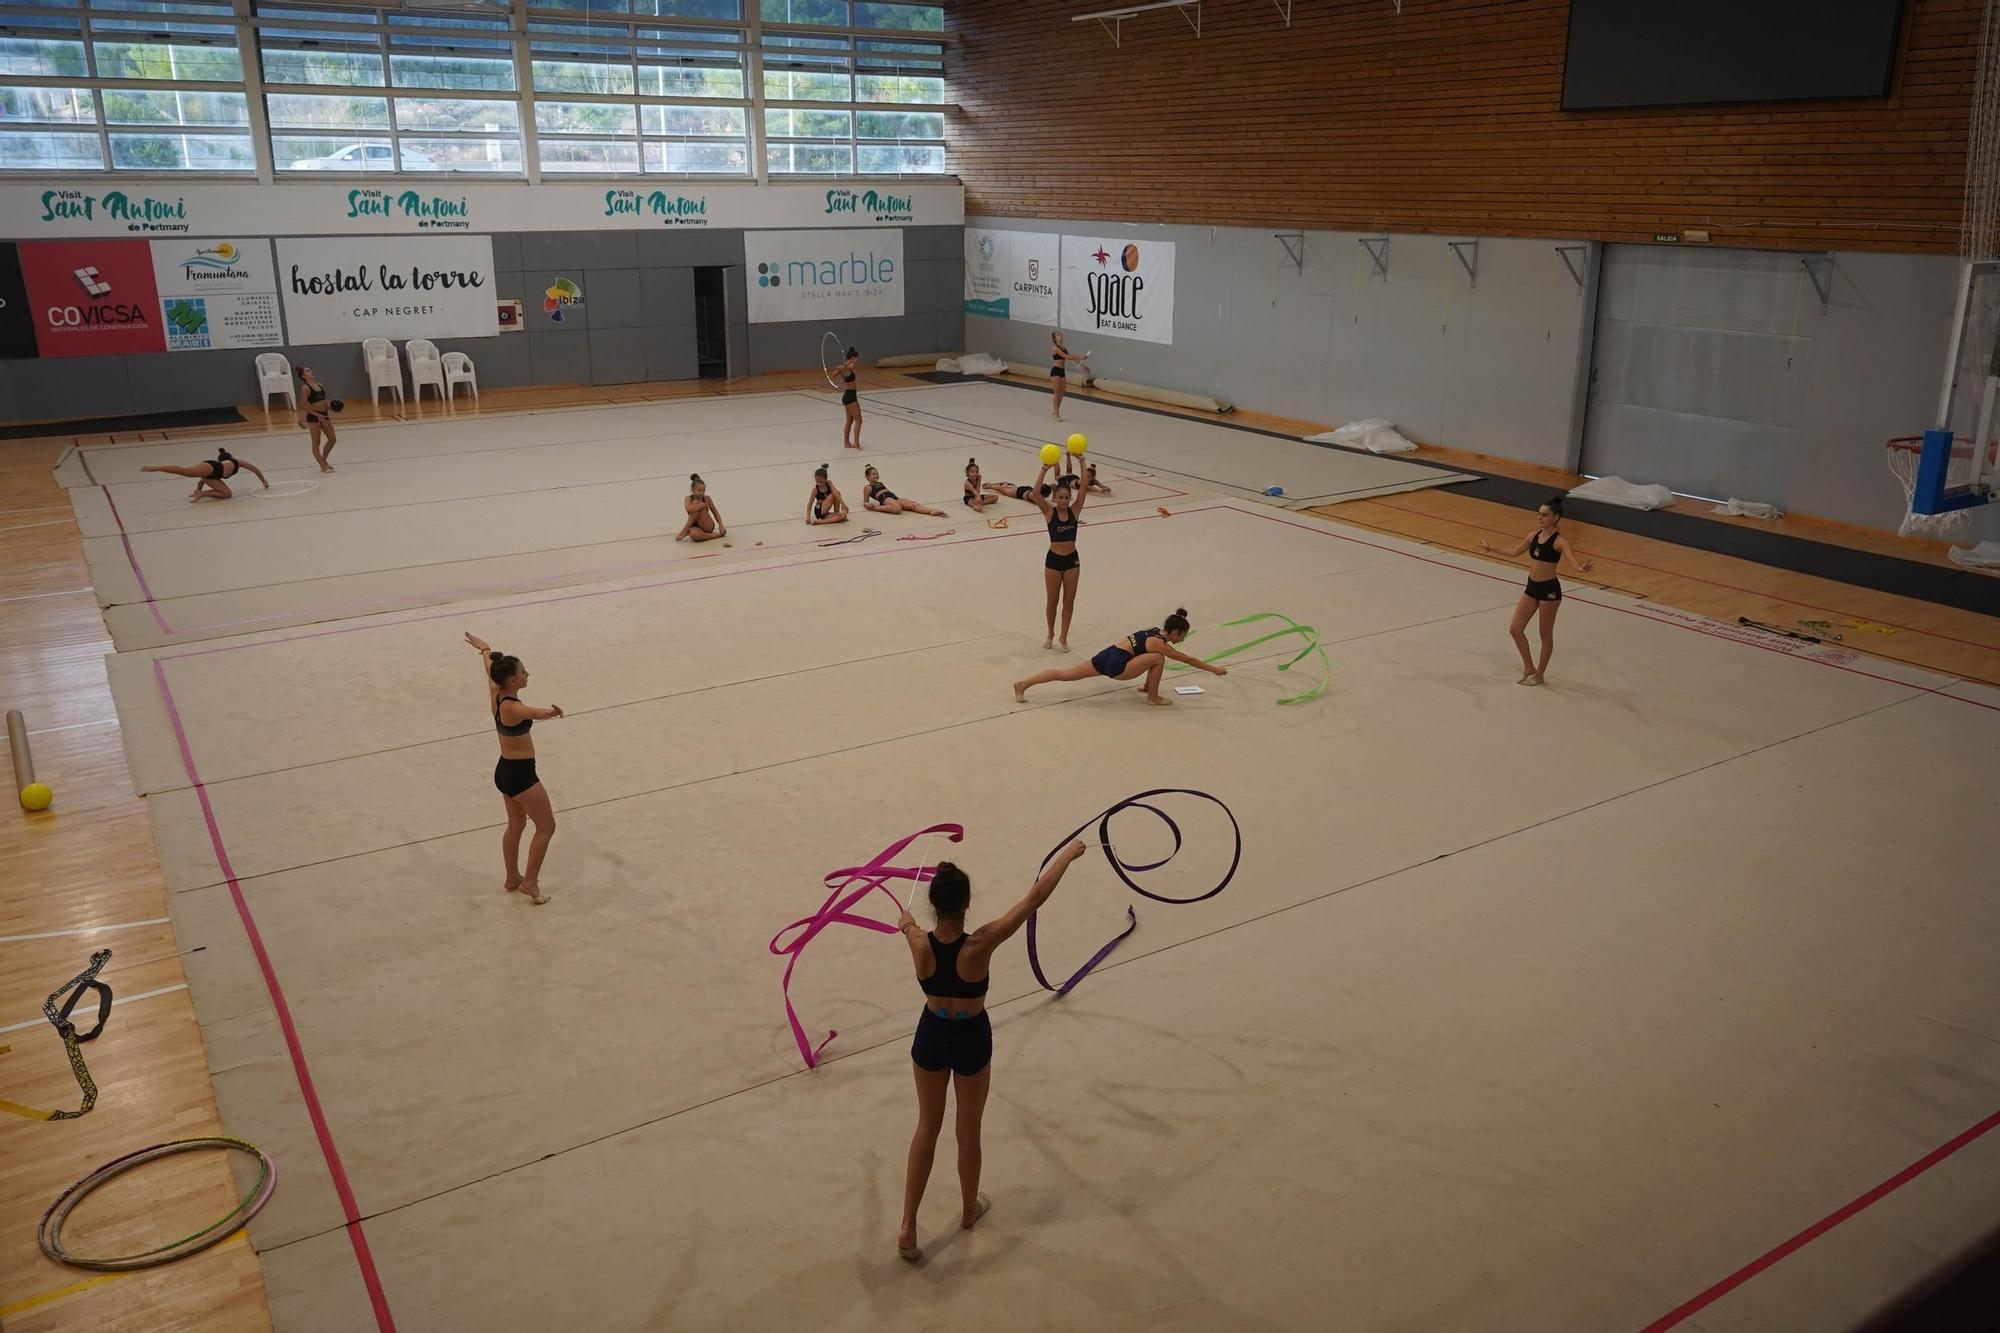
(690, 247)
(507, 252)
(669, 353)
(920, 287)
(64, 388)
(559, 358)
(181, 381)
(666, 296)
(573, 252)
(612, 296)
(616, 356)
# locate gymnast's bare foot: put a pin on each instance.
(1048, 643)
(534, 892)
(973, 1214)
(513, 884)
(1156, 699)
(1020, 691)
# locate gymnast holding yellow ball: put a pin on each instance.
(1060, 508)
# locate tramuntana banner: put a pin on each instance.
(217, 292)
(344, 289)
(823, 275)
(1122, 288)
(36, 209)
(1012, 274)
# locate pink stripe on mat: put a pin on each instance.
(1833, 1219)
(384, 1321)
(133, 560)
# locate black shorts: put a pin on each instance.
(1111, 662)
(848, 396)
(1058, 373)
(514, 776)
(967, 500)
(962, 1045)
(1061, 563)
(1023, 492)
(1545, 590)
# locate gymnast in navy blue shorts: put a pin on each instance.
(954, 1042)
(1143, 652)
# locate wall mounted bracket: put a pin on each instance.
(1820, 269)
(1563, 252)
(1295, 247)
(1468, 262)
(1115, 25)
(1378, 252)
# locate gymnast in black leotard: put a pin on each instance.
(211, 478)
(850, 402)
(974, 496)
(1546, 547)
(318, 418)
(1059, 371)
(825, 504)
(520, 786)
(881, 500)
(1143, 652)
(1060, 570)
(954, 1042)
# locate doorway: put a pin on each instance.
(711, 324)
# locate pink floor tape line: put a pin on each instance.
(838, 910)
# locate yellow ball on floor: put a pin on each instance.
(36, 796)
(1051, 455)
(1077, 444)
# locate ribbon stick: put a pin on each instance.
(847, 887)
(75, 988)
(1307, 632)
(1125, 871)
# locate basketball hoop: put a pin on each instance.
(1905, 452)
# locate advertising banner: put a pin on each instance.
(38, 209)
(92, 298)
(216, 293)
(1012, 274)
(17, 321)
(1120, 287)
(823, 275)
(345, 289)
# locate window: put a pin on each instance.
(164, 87)
(447, 99)
(832, 99)
(626, 97)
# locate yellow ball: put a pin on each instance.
(1077, 444)
(1051, 455)
(36, 796)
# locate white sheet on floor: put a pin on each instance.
(1618, 491)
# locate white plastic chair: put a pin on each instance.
(458, 370)
(425, 368)
(274, 375)
(383, 371)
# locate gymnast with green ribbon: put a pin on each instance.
(1143, 652)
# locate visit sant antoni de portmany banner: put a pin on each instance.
(1122, 287)
(823, 275)
(347, 288)
(219, 292)
(1012, 274)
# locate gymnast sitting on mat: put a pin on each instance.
(975, 497)
(1140, 653)
(880, 499)
(825, 504)
(1090, 481)
(954, 1041)
(212, 474)
(704, 520)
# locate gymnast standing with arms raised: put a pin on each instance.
(1546, 547)
(954, 1042)
(520, 786)
(1061, 568)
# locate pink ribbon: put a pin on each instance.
(847, 887)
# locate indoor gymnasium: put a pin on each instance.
(1210, 665)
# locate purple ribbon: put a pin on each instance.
(1126, 870)
(848, 887)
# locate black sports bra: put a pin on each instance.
(519, 728)
(944, 979)
(848, 377)
(1544, 550)
(1062, 529)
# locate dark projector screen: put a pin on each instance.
(1630, 53)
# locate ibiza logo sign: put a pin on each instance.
(139, 212)
(431, 212)
(560, 297)
(672, 210)
(871, 204)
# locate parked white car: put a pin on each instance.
(364, 157)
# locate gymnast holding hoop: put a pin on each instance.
(954, 1042)
(1059, 372)
(850, 402)
(211, 477)
(520, 786)
(1141, 653)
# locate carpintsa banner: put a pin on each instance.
(1012, 274)
(54, 210)
(217, 293)
(823, 275)
(344, 289)
(1120, 287)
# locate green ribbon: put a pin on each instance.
(1307, 632)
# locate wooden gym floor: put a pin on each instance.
(90, 863)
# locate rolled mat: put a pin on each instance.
(1201, 402)
(929, 359)
(1028, 370)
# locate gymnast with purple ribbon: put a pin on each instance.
(954, 1041)
(1143, 652)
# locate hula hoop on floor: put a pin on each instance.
(831, 354)
(275, 494)
(49, 1233)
